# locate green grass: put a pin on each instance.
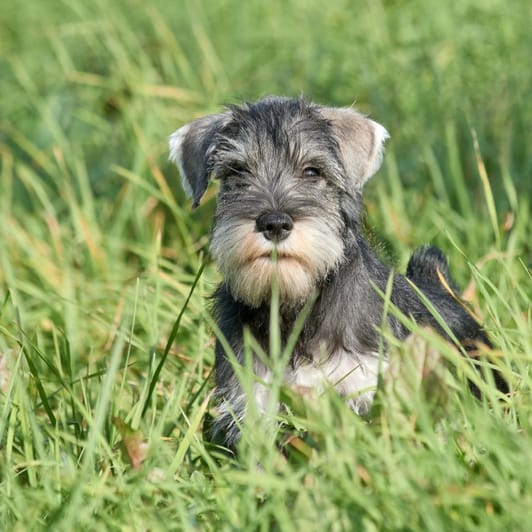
(105, 360)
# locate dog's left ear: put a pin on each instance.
(361, 142)
(190, 149)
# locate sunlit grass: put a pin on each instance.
(106, 341)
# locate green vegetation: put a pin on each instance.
(104, 365)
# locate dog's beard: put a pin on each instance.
(250, 264)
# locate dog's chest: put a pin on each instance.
(352, 375)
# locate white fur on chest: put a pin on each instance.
(354, 376)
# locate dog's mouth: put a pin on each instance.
(280, 258)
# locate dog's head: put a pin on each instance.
(290, 174)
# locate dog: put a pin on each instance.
(288, 213)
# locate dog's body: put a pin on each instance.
(288, 211)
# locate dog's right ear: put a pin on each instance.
(361, 142)
(190, 149)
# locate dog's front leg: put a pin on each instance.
(240, 396)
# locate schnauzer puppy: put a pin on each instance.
(289, 207)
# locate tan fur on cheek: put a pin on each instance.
(253, 246)
(234, 243)
(317, 246)
(243, 256)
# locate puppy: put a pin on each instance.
(288, 213)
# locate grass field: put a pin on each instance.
(106, 343)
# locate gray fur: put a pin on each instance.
(305, 166)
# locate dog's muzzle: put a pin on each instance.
(275, 226)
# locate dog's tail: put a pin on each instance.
(429, 270)
(428, 266)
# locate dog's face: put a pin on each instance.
(290, 176)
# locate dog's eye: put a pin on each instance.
(311, 171)
(238, 184)
(233, 180)
(232, 171)
(238, 169)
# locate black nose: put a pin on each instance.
(274, 226)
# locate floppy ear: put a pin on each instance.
(361, 142)
(190, 148)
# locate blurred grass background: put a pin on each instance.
(99, 251)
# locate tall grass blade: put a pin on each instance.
(486, 187)
(169, 343)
